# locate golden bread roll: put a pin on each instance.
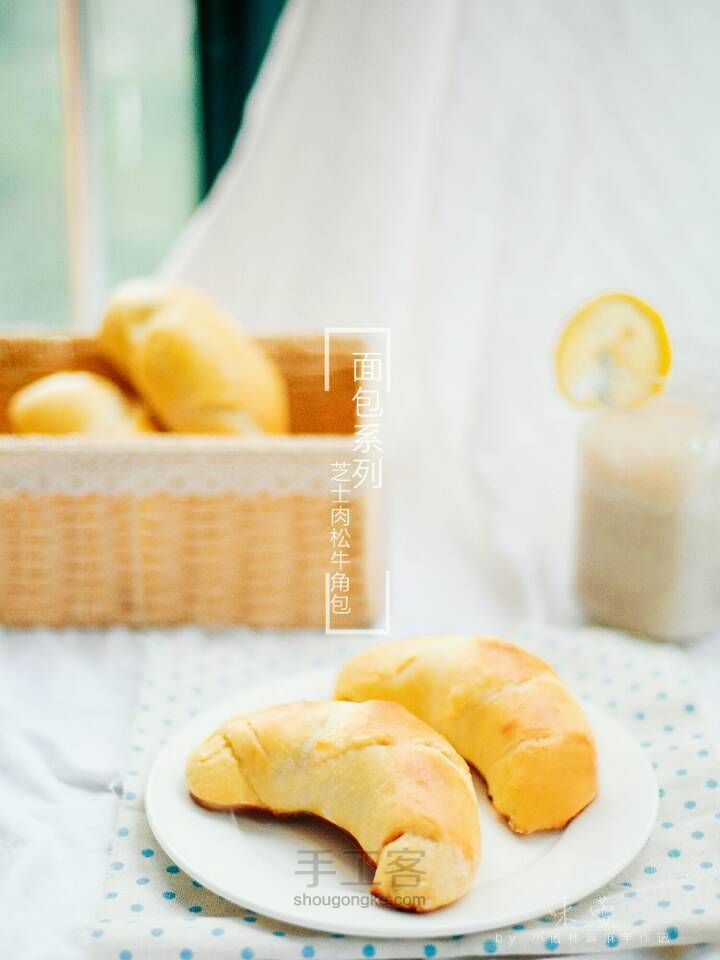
(129, 309)
(503, 709)
(197, 371)
(372, 769)
(75, 401)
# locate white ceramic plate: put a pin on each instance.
(256, 861)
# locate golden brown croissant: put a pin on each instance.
(503, 709)
(191, 363)
(372, 769)
(75, 401)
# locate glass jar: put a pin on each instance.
(648, 549)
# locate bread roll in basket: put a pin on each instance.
(195, 368)
(75, 401)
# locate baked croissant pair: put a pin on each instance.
(384, 761)
(190, 365)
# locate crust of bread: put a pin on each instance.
(503, 709)
(196, 369)
(372, 769)
(75, 401)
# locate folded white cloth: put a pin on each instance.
(669, 895)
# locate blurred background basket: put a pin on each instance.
(170, 528)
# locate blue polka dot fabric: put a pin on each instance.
(669, 896)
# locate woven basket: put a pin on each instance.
(169, 528)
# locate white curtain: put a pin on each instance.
(467, 173)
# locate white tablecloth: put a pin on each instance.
(465, 172)
(67, 701)
(670, 893)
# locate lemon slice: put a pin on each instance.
(614, 351)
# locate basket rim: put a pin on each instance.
(180, 443)
(311, 339)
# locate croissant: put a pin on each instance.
(373, 769)
(190, 362)
(75, 401)
(503, 709)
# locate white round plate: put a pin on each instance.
(267, 865)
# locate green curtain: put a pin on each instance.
(233, 36)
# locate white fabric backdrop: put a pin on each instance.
(465, 172)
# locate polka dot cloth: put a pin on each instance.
(670, 895)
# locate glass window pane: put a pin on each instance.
(140, 96)
(144, 78)
(33, 278)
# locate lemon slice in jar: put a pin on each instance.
(614, 351)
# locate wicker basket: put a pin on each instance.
(169, 528)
